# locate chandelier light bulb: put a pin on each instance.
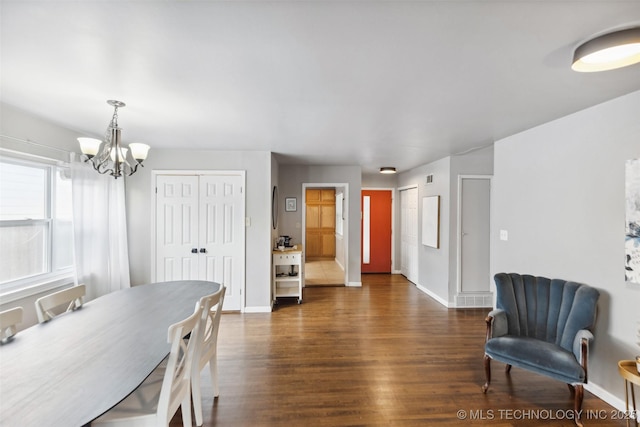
(123, 154)
(139, 151)
(89, 146)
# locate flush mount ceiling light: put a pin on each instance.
(112, 156)
(608, 51)
(387, 169)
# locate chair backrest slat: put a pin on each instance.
(211, 310)
(176, 384)
(8, 321)
(72, 297)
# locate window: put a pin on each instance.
(35, 224)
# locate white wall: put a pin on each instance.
(258, 166)
(558, 190)
(290, 185)
(379, 180)
(433, 263)
(15, 123)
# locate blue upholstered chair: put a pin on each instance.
(544, 326)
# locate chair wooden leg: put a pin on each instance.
(507, 368)
(571, 390)
(487, 371)
(213, 368)
(186, 410)
(577, 403)
(196, 397)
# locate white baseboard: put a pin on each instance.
(257, 309)
(396, 272)
(604, 395)
(354, 284)
(432, 295)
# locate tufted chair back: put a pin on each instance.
(550, 310)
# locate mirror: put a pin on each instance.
(274, 207)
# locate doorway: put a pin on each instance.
(376, 230)
(320, 224)
(325, 231)
(409, 233)
(474, 278)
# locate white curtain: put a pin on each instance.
(99, 230)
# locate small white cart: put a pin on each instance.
(287, 277)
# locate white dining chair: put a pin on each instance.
(71, 296)
(211, 306)
(158, 398)
(8, 321)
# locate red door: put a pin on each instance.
(375, 248)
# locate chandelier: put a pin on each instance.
(111, 158)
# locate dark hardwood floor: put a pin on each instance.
(385, 354)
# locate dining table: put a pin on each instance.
(72, 369)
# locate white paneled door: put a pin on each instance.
(409, 233)
(475, 221)
(200, 231)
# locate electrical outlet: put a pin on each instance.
(504, 235)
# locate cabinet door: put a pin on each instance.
(320, 223)
(313, 217)
(313, 246)
(328, 245)
(328, 217)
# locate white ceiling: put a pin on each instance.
(370, 83)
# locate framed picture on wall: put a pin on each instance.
(632, 235)
(431, 221)
(290, 204)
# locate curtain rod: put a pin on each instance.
(26, 141)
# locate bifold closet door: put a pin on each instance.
(222, 234)
(177, 228)
(200, 232)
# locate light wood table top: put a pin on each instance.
(629, 371)
(72, 369)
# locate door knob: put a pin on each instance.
(194, 250)
(203, 251)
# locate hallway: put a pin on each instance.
(323, 273)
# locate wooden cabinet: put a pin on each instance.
(320, 223)
(287, 275)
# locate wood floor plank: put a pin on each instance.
(381, 355)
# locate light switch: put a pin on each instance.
(504, 235)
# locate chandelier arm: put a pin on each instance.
(135, 168)
(102, 172)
